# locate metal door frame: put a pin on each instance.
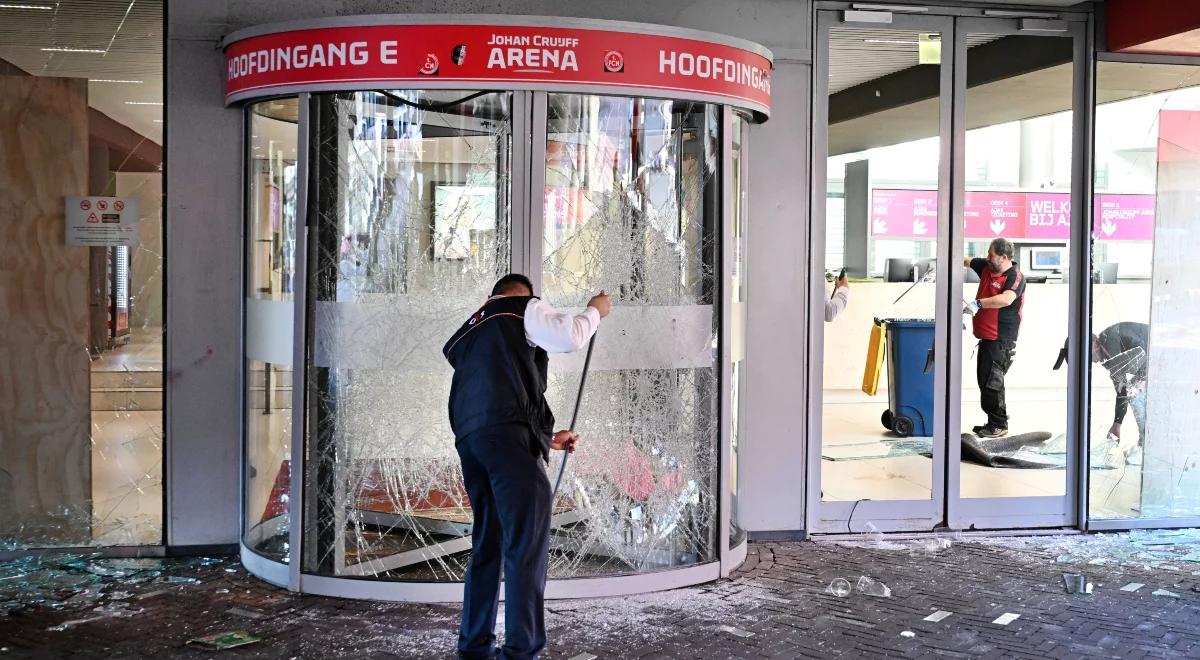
(1033, 511)
(887, 515)
(946, 506)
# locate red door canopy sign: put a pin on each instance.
(697, 66)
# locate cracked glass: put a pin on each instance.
(632, 206)
(411, 204)
(411, 208)
(1144, 458)
(270, 258)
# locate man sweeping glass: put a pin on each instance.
(503, 431)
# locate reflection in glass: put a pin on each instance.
(632, 207)
(270, 255)
(1144, 452)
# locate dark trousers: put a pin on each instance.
(995, 358)
(510, 496)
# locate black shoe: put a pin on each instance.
(977, 429)
(989, 431)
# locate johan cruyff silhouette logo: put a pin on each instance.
(458, 54)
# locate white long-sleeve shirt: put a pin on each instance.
(835, 305)
(558, 332)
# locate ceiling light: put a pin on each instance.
(143, 103)
(47, 7)
(889, 41)
(113, 80)
(65, 49)
(158, 121)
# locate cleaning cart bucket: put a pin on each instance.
(910, 377)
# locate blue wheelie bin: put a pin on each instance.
(910, 377)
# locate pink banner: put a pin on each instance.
(1124, 218)
(1048, 216)
(904, 213)
(992, 214)
(1032, 216)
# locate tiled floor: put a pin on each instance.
(852, 418)
(967, 597)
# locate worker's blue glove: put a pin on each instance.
(972, 307)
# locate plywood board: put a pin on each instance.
(45, 452)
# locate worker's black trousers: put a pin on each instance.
(995, 358)
(510, 496)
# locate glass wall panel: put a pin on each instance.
(633, 207)
(1018, 190)
(412, 230)
(737, 334)
(1143, 447)
(81, 273)
(882, 175)
(270, 255)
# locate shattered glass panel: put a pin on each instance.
(270, 258)
(741, 135)
(633, 207)
(81, 368)
(412, 230)
(1144, 452)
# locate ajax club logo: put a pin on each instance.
(614, 61)
(430, 67)
(458, 54)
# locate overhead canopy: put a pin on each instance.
(1008, 79)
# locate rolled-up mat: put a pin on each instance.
(1001, 452)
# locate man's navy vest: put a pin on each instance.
(498, 377)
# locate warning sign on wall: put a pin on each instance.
(101, 221)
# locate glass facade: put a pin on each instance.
(1143, 450)
(82, 426)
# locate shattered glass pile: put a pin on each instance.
(93, 586)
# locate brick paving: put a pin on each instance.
(778, 605)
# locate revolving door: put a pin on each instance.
(378, 220)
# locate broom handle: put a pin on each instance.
(587, 360)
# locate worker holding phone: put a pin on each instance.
(840, 298)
